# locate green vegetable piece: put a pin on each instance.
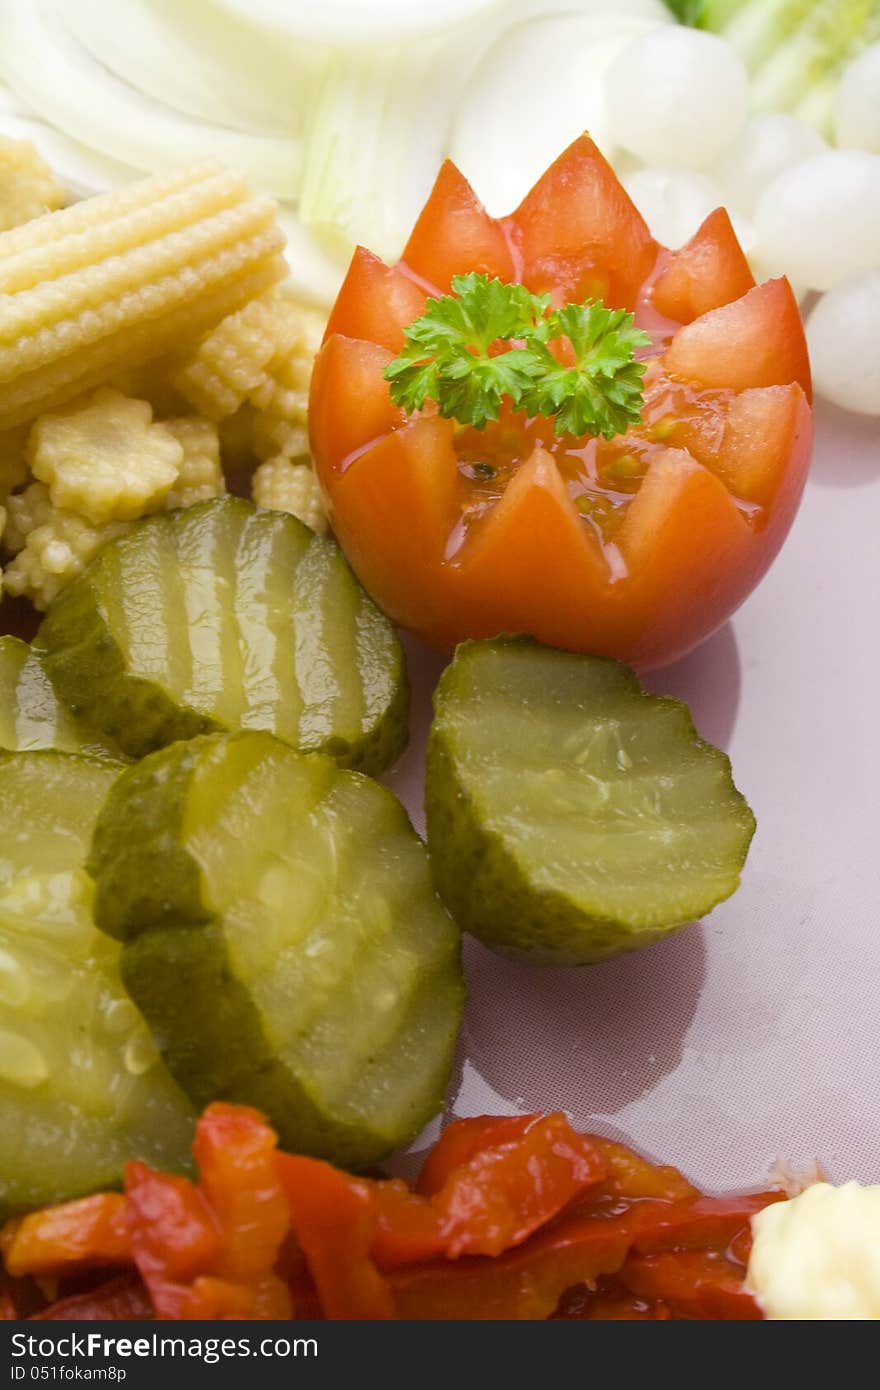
(795, 50)
(706, 14)
(283, 940)
(571, 815)
(452, 357)
(31, 715)
(82, 1088)
(222, 616)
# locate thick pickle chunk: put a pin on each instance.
(225, 617)
(82, 1087)
(31, 715)
(283, 940)
(571, 815)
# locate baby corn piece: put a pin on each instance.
(280, 485)
(232, 360)
(201, 473)
(51, 546)
(105, 460)
(119, 280)
(28, 188)
(280, 400)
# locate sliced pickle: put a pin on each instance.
(31, 715)
(82, 1087)
(283, 939)
(571, 815)
(225, 617)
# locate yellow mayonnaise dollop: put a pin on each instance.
(818, 1255)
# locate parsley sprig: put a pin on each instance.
(451, 356)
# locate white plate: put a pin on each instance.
(753, 1035)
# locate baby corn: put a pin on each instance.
(231, 362)
(119, 280)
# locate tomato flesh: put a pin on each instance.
(637, 547)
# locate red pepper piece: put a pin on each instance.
(633, 1176)
(89, 1233)
(235, 1152)
(334, 1219)
(608, 1302)
(210, 1251)
(461, 1140)
(174, 1236)
(492, 1200)
(523, 1284)
(123, 1299)
(695, 1284)
(701, 1223)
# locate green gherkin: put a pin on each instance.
(571, 815)
(31, 715)
(283, 939)
(224, 617)
(82, 1088)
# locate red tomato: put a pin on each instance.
(638, 547)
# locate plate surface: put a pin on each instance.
(751, 1036)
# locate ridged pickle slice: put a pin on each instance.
(283, 939)
(82, 1087)
(32, 716)
(571, 815)
(225, 617)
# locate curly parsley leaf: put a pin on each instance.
(448, 355)
(601, 394)
(455, 356)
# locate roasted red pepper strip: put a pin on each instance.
(210, 1251)
(632, 1176)
(608, 1302)
(699, 1224)
(694, 1283)
(123, 1299)
(523, 1284)
(235, 1150)
(494, 1199)
(174, 1236)
(89, 1233)
(461, 1140)
(334, 1220)
(514, 1217)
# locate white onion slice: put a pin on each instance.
(316, 272)
(842, 338)
(377, 135)
(518, 10)
(350, 22)
(46, 68)
(537, 88)
(10, 104)
(81, 171)
(187, 56)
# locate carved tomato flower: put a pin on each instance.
(637, 545)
